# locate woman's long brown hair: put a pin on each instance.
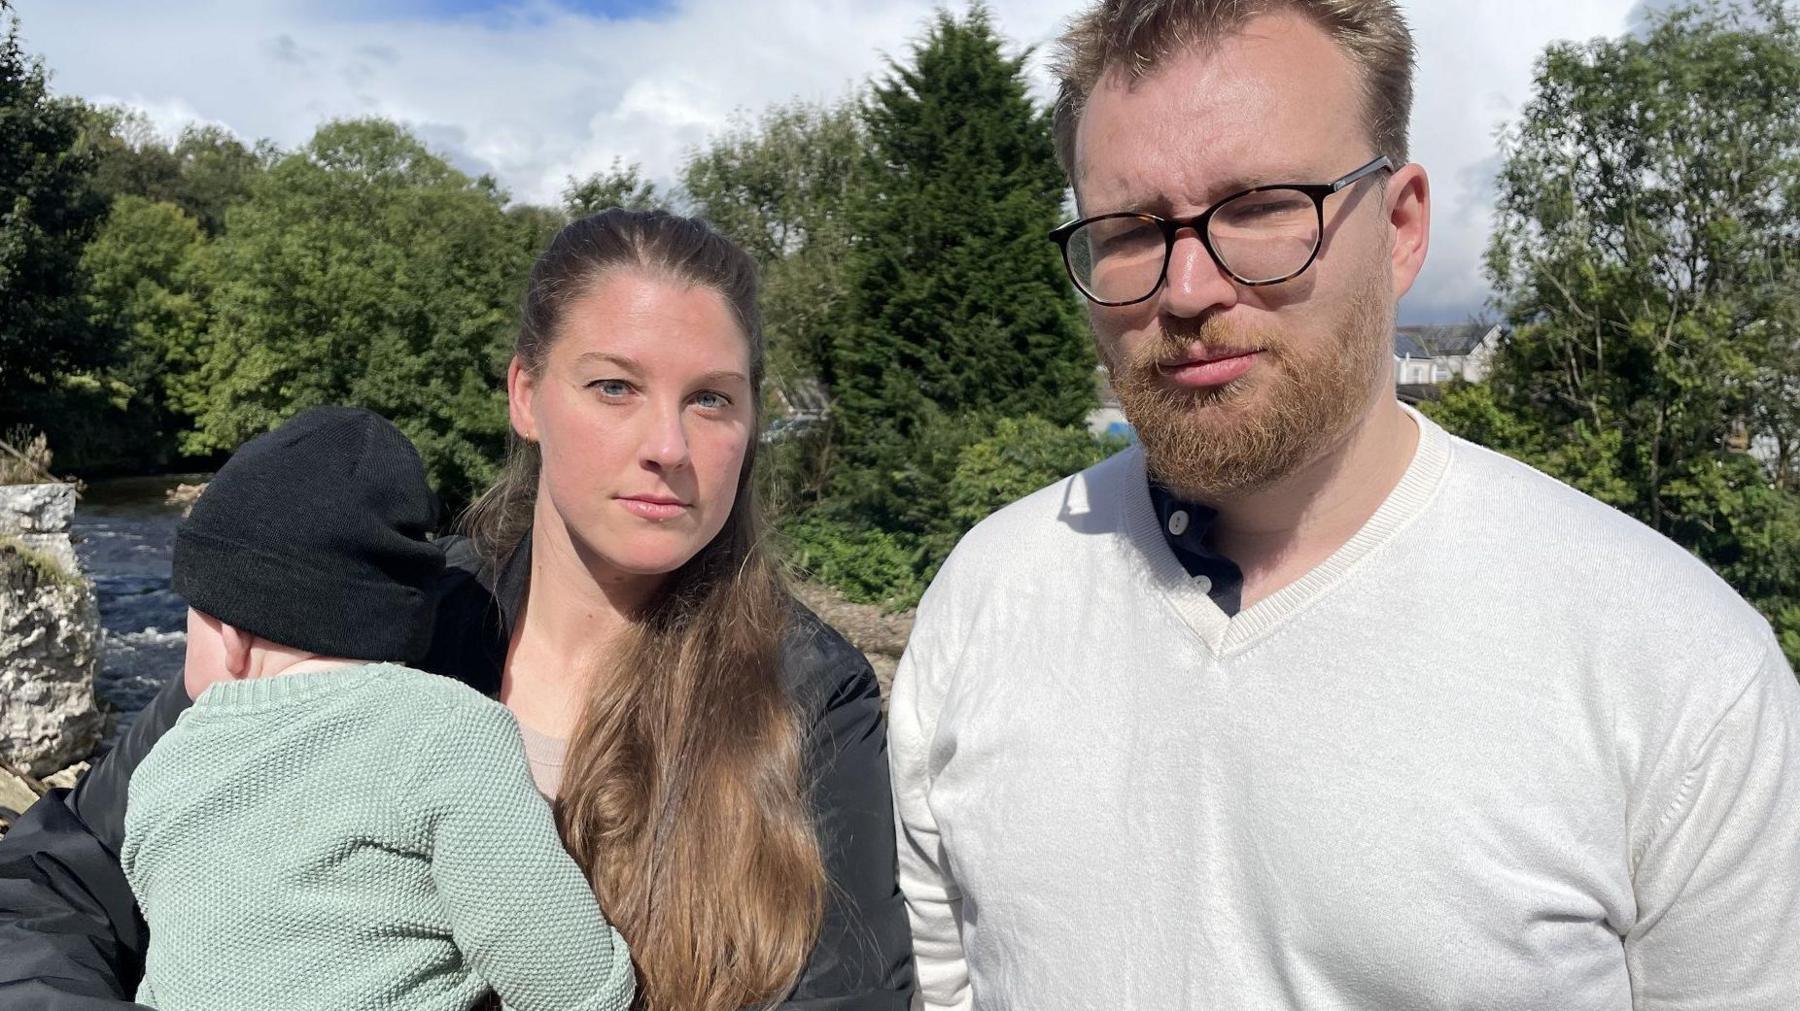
(683, 795)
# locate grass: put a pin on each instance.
(24, 458)
(49, 570)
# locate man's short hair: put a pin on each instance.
(1139, 36)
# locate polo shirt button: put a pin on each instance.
(1204, 583)
(1178, 522)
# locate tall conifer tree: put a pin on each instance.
(960, 310)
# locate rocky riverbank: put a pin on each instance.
(49, 647)
(19, 791)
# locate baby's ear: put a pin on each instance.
(204, 663)
(237, 649)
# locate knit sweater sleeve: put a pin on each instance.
(521, 912)
(1718, 882)
(933, 900)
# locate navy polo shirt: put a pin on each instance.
(1187, 526)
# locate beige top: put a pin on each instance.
(545, 755)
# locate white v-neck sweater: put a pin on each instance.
(1507, 748)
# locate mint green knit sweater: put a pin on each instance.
(358, 839)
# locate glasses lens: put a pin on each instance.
(1117, 259)
(1266, 235)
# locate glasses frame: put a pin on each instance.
(1201, 224)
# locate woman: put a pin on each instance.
(724, 783)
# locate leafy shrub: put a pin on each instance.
(955, 478)
(1019, 457)
(867, 566)
(1787, 626)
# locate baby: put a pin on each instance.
(326, 827)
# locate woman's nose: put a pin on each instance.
(665, 444)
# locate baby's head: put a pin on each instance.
(310, 542)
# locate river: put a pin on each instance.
(125, 537)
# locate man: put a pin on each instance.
(1304, 703)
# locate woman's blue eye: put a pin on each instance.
(712, 401)
(611, 387)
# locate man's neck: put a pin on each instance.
(1278, 534)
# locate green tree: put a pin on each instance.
(1775, 390)
(217, 171)
(145, 302)
(621, 185)
(130, 157)
(960, 311)
(203, 172)
(537, 224)
(784, 186)
(1644, 257)
(147, 297)
(48, 210)
(363, 269)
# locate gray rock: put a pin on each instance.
(56, 547)
(67, 778)
(37, 516)
(49, 635)
(36, 508)
(15, 796)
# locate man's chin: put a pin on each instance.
(1209, 482)
(1211, 413)
(1218, 449)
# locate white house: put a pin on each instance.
(1428, 356)
(800, 404)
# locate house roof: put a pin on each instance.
(1440, 341)
(1418, 393)
(802, 395)
(1407, 347)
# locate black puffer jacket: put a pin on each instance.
(71, 937)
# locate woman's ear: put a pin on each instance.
(520, 387)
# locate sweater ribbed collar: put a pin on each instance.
(254, 694)
(1139, 524)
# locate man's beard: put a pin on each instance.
(1220, 442)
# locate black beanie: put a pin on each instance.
(313, 536)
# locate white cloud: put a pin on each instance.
(1474, 73)
(168, 115)
(534, 93)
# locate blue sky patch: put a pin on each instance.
(616, 10)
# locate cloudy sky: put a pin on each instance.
(535, 91)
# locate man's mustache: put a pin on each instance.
(1209, 338)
